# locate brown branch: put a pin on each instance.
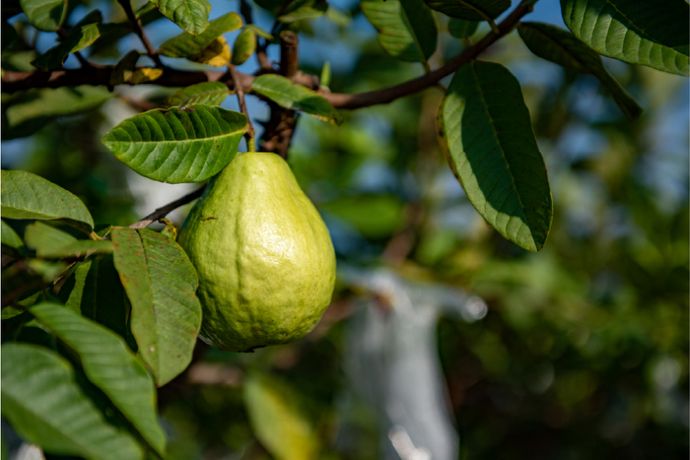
(163, 211)
(386, 95)
(127, 6)
(249, 135)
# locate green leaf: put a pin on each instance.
(557, 45)
(46, 15)
(462, 28)
(190, 15)
(473, 10)
(44, 403)
(654, 34)
(406, 28)
(160, 282)
(10, 237)
(277, 421)
(493, 152)
(50, 242)
(208, 93)
(290, 95)
(300, 10)
(188, 45)
(79, 37)
(29, 111)
(95, 291)
(28, 196)
(178, 145)
(374, 216)
(244, 46)
(110, 365)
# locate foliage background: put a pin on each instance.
(582, 352)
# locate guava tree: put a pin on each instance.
(100, 315)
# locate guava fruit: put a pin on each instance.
(264, 257)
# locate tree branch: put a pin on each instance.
(163, 211)
(249, 135)
(127, 6)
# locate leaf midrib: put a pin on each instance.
(172, 141)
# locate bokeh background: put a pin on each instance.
(443, 340)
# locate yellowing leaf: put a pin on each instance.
(216, 54)
(142, 75)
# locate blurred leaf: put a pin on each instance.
(186, 45)
(209, 93)
(374, 216)
(493, 152)
(110, 365)
(190, 15)
(27, 112)
(124, 68)
(160, 282)
(10, 237)
(277, 421)
(647, 33)
(178, 145)
(462, 28)
(244, 46)
(46, 15)
(290, 95)
(44, 403)
(28, 196)
(561, 47)
(95, 291)
(473, 10)
(216, 54)
(406, 28)
(299, 10)
(78, 38)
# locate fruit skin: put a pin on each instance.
(264, 257)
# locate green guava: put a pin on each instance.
(264, 257)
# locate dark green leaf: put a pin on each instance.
(208, 93)
(473, 10)
(188, 45)
(27, 112)
(244, 46)
(110, 365)
(161, 283)
(10, 237)
(28, 196)
(561, 47)
(651, 33)
(78, 38)
(406, 28)
(45, 14)
(462, 28)
(50, 242)
(493, 152)
(44, 403)
(293, 96)
(178, 145)
(190, 15)
(277, 421)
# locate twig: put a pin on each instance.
(239, 91)
(163, 211)
(127, 6)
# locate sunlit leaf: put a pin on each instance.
(244, 46)
(216, 54)
(28, 196)
(492, 150)
(293, 96)
(651, 33)
(277, 421)
(110, 365)
(44, 403)
(208, 93)
(50, 242)
(190, 15)
(178, 145)
(561, 47)
(406, 28)
(10, 237)
(161, 283)
(186, 45)
(45, 14)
